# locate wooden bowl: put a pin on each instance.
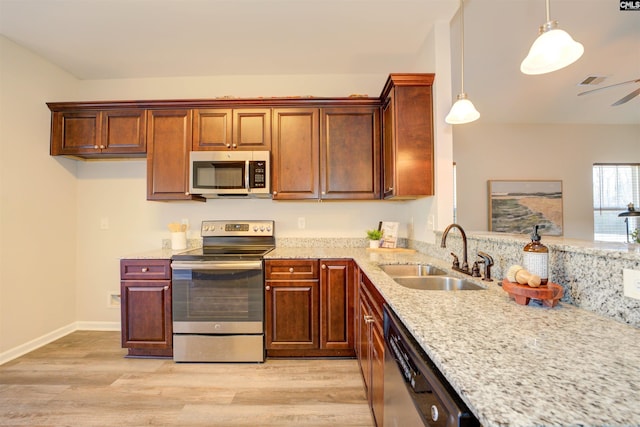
(549, 294)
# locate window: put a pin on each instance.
(614, 187)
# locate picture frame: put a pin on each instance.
(515, 206)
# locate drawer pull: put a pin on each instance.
(268, 288)
(290, 269)
(145, 269)
(324, 266)
(369, 319)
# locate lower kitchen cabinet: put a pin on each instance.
(370, 345)
(145, 299)
(309, 308)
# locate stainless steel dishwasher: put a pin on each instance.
(415, 393)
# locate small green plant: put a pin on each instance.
(635, 235)
(374, 234)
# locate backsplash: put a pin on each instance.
(589, 272)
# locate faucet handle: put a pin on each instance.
(486, 259)
(456, 261)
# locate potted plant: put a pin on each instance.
(374, 237)
(635, 236)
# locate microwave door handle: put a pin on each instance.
(247, 165)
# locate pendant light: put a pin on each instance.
(462, 110)
(552, 50)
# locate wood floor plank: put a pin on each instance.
(84, 380)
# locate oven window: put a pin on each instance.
(223, 175)
(218, 295)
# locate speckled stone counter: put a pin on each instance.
(513, 365)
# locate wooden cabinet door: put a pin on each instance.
(252, 129)
(336, 305)
(227, 129)
(350, 153)
(388, 147)
(146, 314)
(363, 341)
(408, 136)
(295, 171)
(124, 131)
(168, 146)
(212, 129)
(377, 373)
(75, 132)
(291, 312)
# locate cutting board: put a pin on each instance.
(522, 294)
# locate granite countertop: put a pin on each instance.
(513, 365)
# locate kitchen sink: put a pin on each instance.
(438, 283)
(411, 270)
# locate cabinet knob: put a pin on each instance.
(324, 266)
(186, 193)
(145, 269)
(103, 147)
(228, 145)
(268, 288)
(235, 145)
(166, 288)
(96, 147)
(275, 193)
(290, 269)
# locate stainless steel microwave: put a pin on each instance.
(230, 173)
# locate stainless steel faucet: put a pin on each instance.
(443, 244)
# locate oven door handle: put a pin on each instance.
(216, 265)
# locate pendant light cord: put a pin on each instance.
(462, 45)
(548, 13)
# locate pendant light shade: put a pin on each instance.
(552, 50)
(462, 110)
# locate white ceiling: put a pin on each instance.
(111, 39)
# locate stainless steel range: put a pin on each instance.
(218, 296)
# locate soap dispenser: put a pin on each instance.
(536, 257)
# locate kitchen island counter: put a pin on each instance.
(513, 365)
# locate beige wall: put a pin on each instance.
(485, 152)
(38, 204)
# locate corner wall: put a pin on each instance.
(37, 205)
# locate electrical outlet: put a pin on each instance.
(113, 300)
(631, 280)
(302, 223)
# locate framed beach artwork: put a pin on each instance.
(516, 206)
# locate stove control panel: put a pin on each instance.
(213, 228)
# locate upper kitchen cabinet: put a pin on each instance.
(93, 133)
(407, 136)
(295, 153)
(350, 153)
(168, 145)
(326, 153)
(232, 129)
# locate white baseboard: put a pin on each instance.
(98, 326)
(34, 344)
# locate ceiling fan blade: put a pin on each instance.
(606, 87)
(627, 98)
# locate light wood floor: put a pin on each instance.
(84, 380)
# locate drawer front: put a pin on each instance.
(288, 269)
(145, 269)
